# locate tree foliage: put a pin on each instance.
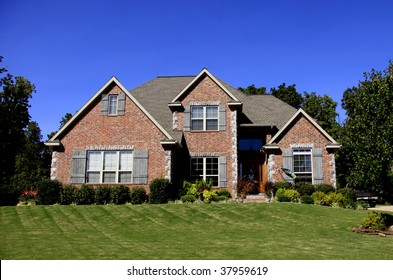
(15, 93)
(253, 90)
(288, 94)
(366, 158)
(323, 109)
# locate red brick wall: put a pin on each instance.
(134, 128)
(304, 134)
(210, 141)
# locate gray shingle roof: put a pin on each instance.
(263, 110)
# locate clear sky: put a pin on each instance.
(70, 49)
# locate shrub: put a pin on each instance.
(281, 196)
(334, 199)
(209, 196)
(281, 185)
(306, 199)
(188, 198)
(102, 195)
(348, 193)
(8, 195)
(325, 188)
(84, 195)
(305, 188)
(68, 194)
(48, 192)
(318, 197)
(377, 221)
(138, 195)
(361, 205)
(224, 193)
(120, 194)
(188, 188)
(161, 191)
(246, 186)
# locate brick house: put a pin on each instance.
(194, 127)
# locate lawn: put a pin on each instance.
(187, 231)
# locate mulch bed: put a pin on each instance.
(372, 231)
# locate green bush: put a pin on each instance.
(334, 199)
(209, 196)
(318, 197)
(188, 198)
(222, 198)
(348, 193)
(306, 199)
(281, 185)
(281, 195)
(161, 190)
(362, 205)
(68, 194)
(305, 188)
(120, 194)
(225, 193)
(102, 195)
(377, 221)
(325, 188)
(138, 195)
(84, 195)
(48, 192)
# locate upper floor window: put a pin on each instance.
(302, 164)
(112, 110)
(204, 118)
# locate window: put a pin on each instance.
(205, 168)
(302, 165)
(112, 105)
(204, 118)
(250, 144)
(109, 166)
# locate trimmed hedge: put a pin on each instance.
(68, 194)
(120, 194)
(138, 195)
(48, 192)
(161, 190)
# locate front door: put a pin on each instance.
(253, 170)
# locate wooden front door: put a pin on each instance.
(254, 170)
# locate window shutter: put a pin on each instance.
(223, 118)
(287, 162)
(140, 167)
(104, 104)
(186, 119)
(78, 169)
(317, 166)
(223, 171)
(121, 104)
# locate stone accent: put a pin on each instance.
(332, 164)
(53, 166)
(175, 121)
(168, 167)
(271, 165)
(233, 127)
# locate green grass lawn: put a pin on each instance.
(187, 231)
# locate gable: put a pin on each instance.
(112, 86)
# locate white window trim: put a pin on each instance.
(305, 151)
(109, 104)
(205, 118)
(204, 175)
(117, 170)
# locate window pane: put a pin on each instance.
(197, 125)
(197, 112)
(212, 112)
(124, 177)
(211, 124)
(250, 144)
(109, 177)
(112, 104)
(110, 160)
(94, 161)
(93, 177)
(211, 166)
(215, 180)
(197, 166)
(125, 160)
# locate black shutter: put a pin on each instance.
(78, 171)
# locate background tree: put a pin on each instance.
(32, 164)
(288, 94)
(323, 109)
(14, 117)
(366, 158)
(63, 121)
(252, 90)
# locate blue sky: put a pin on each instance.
(69, 49)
